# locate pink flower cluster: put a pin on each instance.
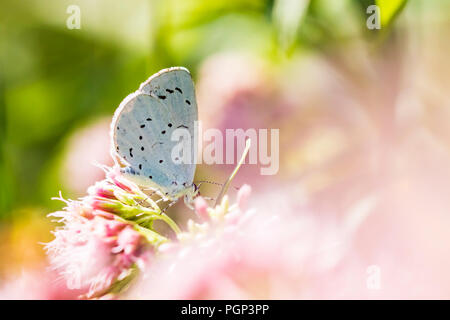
(95, 248)
(237, 253)
(106, 239)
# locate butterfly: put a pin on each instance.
(141, 134)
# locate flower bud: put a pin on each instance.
(243, 196)
(201, 208)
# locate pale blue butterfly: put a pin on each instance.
(141, 134)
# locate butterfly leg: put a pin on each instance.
(141, 202)
(168, 206)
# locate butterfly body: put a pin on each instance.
(141, 133)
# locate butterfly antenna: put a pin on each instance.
(209, 198)
(210, 182)
(216, 183)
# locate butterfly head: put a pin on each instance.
(191, 192)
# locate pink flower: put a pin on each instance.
(106, 236)
(128, 241)
(36, 284)
(92, 251)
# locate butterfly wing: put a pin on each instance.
(175, 88)
(142, 127)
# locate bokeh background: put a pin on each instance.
(363, 114)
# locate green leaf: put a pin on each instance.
(389, 10)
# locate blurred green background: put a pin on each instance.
(57, 84)
(54, 80)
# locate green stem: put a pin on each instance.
(148, 218)
(172, 224)
(152, 236)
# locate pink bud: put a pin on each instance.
(201, 208)
(85, 212)
(103, 204)
(116, 177)
(243, 196)
(101, 190)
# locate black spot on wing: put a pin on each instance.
(179, 90)
(188, 102)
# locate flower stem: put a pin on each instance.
(172, 224)
(151, 236)
(227, 183)
(146, 219)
